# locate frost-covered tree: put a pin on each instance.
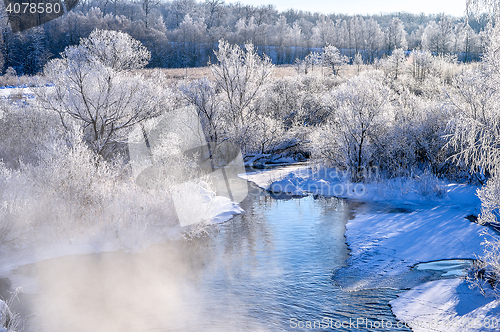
(421, 64)
(475, 133)
(203, 96)
(325, 32)
(358, 62)
(395, 64)
(189, 34)
(241, 75)
(147, 8)
(312, 60)
(475, 128)
(374, 38)
(395, 35)
(332, 58)
(476, 6)
(92, 86)
(360, 111)
(114, 49)
(437, 37)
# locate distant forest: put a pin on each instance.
(184, 33)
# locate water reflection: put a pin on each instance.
(271, 264)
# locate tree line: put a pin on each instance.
(184, 33)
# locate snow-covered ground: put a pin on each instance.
(6, 92)
(425, 222)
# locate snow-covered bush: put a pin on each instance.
(429, 184)
(396, 64)
(485, 273)
(23, 131)
(490, 201)
(73, 193)
(10, 321)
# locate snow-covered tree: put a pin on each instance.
(114, 49)
(360, 111)
(92, 85)
(374, 38)
(437, 37)
(395, 35)
(241, 76)
(189, 34)
(312, 60)
(395, 64)
(358, 62)
(325, 32)
(203, 96)
(477, 6)
(332, 58)
(421, 64)
(475, 134)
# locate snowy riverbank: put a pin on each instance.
(427, 223)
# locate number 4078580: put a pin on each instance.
(33, 8)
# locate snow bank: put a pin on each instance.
(264, 178)
(389, 244)
(6, 92)
(447, 305)
(304, 180)
(386, 245)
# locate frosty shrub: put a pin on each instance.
(23, 130)
(429, 184)
(485, 273)
(11, 321)
(326, 146)
(490, 201)
(474, 100)
(395, 65)
(73, 193)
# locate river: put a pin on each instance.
(273, 268)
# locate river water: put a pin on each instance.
(273, 268)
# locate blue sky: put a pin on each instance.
(451, 7)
